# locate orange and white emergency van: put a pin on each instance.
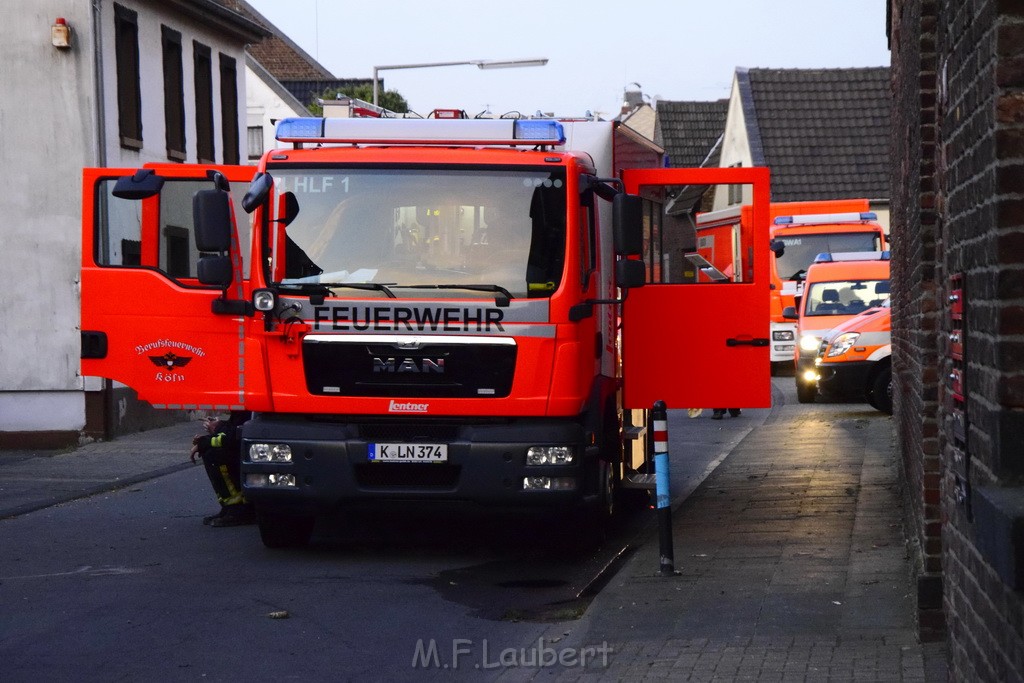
(798, 231)
(435, 311)
(837, 287)
(855, 359)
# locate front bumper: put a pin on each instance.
(844, 380)
(486, 463)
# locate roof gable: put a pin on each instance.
(823, 132)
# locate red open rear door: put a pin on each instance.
(695, 344)
(146, 320)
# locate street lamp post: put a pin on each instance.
(479, 63)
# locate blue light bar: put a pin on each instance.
(818, 218)
(305, 127)
(539, 131)
(381, 131)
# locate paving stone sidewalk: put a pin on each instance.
(792, 567)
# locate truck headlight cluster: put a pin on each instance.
(549, 455)
(783, 335)
(270, 452)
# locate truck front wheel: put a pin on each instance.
(284, 531)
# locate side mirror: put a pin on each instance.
(211, 214)
(142, 185)
(789, 313)
(214, 270)
(630, 273)
(778, 247)
(258, 192)
(628, 225)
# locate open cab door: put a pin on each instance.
(696, 335)
(164, 285)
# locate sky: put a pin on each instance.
(596, 50)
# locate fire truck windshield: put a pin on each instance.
(398, 227)
(801, 249)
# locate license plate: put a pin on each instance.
(408, 452)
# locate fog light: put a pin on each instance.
(260, 480)
(549, 483)
(270, 452)
(811, 376)
(549, 455)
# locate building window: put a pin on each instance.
(255, 142)
(174, 94)
(129, 95)
(203, 66)
(229, 108)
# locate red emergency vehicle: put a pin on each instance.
(798, 231)
(427, 310)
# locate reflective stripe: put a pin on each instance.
(235, 496)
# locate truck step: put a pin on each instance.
(636, 480)
(634, 433)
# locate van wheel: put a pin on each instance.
(881, 391)
(285, 531)
(806, 392)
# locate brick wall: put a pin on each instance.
(914, 233)
(958, 226)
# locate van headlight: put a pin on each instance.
(809, 342)
(842, 344)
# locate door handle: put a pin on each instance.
(757, 341)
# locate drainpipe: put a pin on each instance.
(101, 114)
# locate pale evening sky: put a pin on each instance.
(674, 49)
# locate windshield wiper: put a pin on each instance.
(503, 300)
(371, 286)
(325, 287)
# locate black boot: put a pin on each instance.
(718, 414)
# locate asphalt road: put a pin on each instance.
(129, 585)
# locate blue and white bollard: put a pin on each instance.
(663, 501)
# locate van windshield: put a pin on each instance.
(801, 249)
(402, 227)
(844, 297)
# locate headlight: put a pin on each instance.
(783, 335)
(549, 455)
(809, 342)
(270, 452)
(842, 344)
(264, 300)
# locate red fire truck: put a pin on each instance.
(424, 310)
